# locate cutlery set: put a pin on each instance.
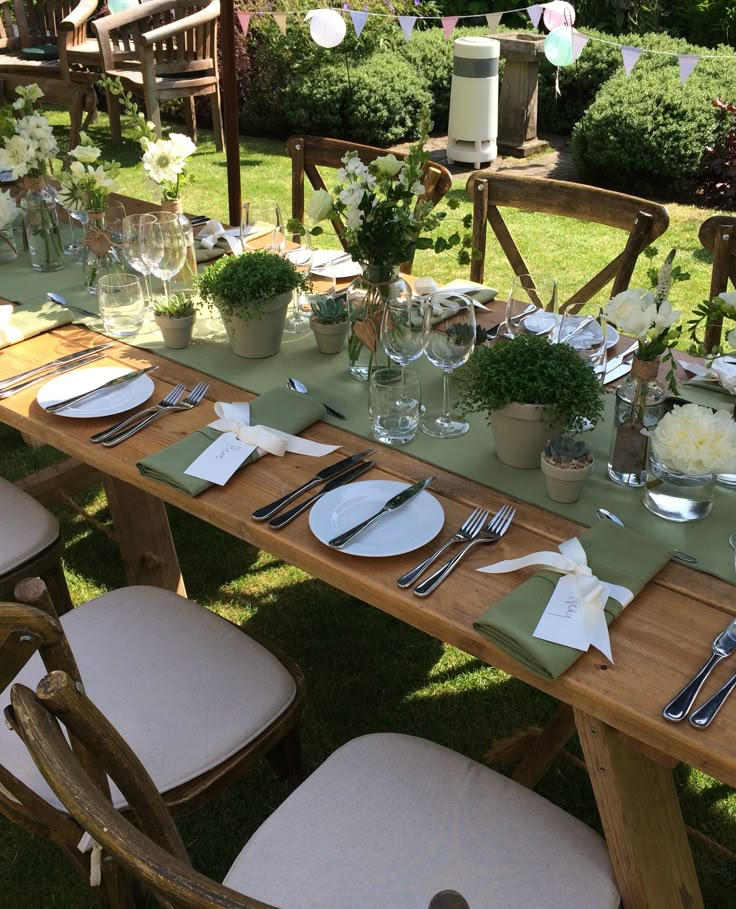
(23, 380)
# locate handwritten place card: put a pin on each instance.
(220, 460)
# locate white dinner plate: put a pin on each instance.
(409, 527)
(541, 322)
(322, 264)
(104, 404)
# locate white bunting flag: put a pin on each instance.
(630, 56)
(359, 20)
(448, 24)
(280, 20)
(535, 14)
(407, 24)
(578, 43)
(493, 20)
(687, 63)
(244, 20)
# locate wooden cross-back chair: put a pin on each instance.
(642, 222)
(164, 670)
(310, 153)
(718, 236)
(379, 823)
(166, 49)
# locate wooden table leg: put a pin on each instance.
(642, 821)
(144, 536)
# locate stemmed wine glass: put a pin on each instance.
(132, 229)
(301, 259)
(405, 328)
(164, 248)
(531, 307)
(451, 342)
(586, 333)
(262, 227)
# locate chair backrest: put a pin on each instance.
(718, 237)
(641, 220)
(9, 36)
(38, 20)
(309, 153)
(153, 851)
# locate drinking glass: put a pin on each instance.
(113, 220)
(132, 228)
(121, 304)
(531, 306)
(450, 344)
(394, 399)
(164, 247)
(74, 248)
(405, 328)
(262, 227)
(586, 333)
(301, 259)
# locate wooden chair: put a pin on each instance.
(385, 821)
(641, 220)
(201, 700)
(718, 236)
(177, 59)
(309, 153)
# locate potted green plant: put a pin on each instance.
(566, 464)
(532, 390)
(252, 292)
(175, 318)
(329, 322)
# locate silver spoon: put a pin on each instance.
(60, 301)
(296, 385)
(676, 553)
(732, 544)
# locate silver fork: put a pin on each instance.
(171, 398)
(194, 397)
(495, 529)
(471, 526)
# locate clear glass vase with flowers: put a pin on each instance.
(648, 316)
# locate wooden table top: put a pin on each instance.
(658, 643)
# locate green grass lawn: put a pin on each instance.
(365, 671)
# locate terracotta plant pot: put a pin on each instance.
(520, 434)
(565, 484)
(331, 337)
(177, 333)
(259, 337)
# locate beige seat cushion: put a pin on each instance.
(26, 528)
(389, 820)
(185, 688)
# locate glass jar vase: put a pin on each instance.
(42, 225)
(8, 244)
(639, 407)
(677, 496)
(366, 298)
(99, 256)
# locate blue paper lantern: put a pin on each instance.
(558, 47)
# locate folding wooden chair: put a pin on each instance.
(718, 236)
(641, 220)
(309, 153)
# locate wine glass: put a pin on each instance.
(113, 220)
(262, 227)
(301, 259)
(164, 247)
(132, 227)
(451, 342)
(405, 328)
(586, 333)
(531, 307)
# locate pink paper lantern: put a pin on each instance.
(558, 13)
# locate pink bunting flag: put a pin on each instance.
(578, 43)
(630, 55)
(359, 21)
(493, 20)
(448, 24)
(407, 24)
(687, 63)
(280, 20)
(244, 20)
(535, 14)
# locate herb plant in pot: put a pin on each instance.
(175, 318)
(531, 390)
(566, 464)
(252, 292)
(329, 322)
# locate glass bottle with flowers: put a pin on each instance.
(28, 153)
(649, 317)
(379, 212)
(8, 216)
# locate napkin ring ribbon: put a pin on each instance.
(210, 234)
(235, 418)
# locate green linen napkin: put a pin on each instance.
(207, 255)
(278, 408)
(29, 320)
(479, 292)
(615, 554)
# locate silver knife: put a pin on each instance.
(267, 511)
(54, 372)
(705, 715)
(118, 380)
(283, 519)
(618, 372)
(619, 358)
(678, 707)
(406, 495)
(39, 370)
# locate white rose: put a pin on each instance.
(731, 339)
(388, 165)
(633, 311)
(320, 206)
(85, 153)
(728, 298)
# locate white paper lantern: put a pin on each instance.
(558, 13)
(326, 26)
(118, 6)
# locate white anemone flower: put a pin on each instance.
(181, 145)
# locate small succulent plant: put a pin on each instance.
(176, 307)
(566, 452)
(329, 310)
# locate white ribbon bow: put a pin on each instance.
(574, 615)
(725, 372)
(214, 231)
(235, 418)
(425, 287)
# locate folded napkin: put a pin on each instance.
(20, 322)
(278, 408)
(327, 261)
(615, 554)
(478, 293)
(720, 375)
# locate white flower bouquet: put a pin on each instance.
(86, 186)
(696, 440)
(31, 149)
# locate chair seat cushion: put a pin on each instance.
(26, 528)
(389, 820)
(41, 52)
(185, 688)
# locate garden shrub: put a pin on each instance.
(316, 103)
(717, 185)
(647, 133)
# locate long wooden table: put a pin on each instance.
(658, 642)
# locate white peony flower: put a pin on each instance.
(388, 165)
(320, 206)
(8, 210)
(85, 153)
(695, 440)
(633, 311)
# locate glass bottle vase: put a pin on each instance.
(8, 244)
(366, 298)
(42, 225)
(639, 407)
(99, 256)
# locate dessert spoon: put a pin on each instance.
(296, 385)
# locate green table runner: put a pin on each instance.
(470, 456)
